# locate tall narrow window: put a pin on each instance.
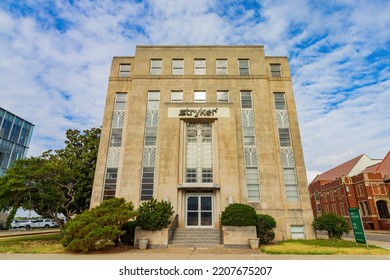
(124, 70)
(286, 151)
(177, 66)
(250, 150)
(150, 143)
(200, 66)
(113, 155)
(155, 66)
(222, 66)
(243, 67)
(276, 70)
(199, 153)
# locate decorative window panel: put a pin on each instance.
(113, 154)
(286, 151)
(250, 152)
(199, 153)
(150, 142)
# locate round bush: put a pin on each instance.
(239, 215)
(154, 215)
(334, 224)
(265, 228)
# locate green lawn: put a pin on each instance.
(322, 247)
(41, 244)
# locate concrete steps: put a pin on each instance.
(196, 238)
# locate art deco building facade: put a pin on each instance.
(203, 127)
(15, 136)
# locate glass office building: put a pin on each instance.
(15, 136)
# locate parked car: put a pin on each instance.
(42, 223)
(16, 224)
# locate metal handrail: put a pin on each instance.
(173, 228)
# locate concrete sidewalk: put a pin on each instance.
(219, 253)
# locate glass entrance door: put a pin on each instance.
(199, 210)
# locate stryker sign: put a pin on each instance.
(197, 112)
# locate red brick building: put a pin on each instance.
(362, 183)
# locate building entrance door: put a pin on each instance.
(199, 210)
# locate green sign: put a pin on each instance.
(357, 225)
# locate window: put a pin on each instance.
(252, 183)
(276, 70)
(149, 154)
(280, 103)
(222, 68)
(155, 66)
(124, 70)
(284, 137)
(243, 67)
(246, 99)
(334, 208)
(177, 66)
(147, 183)
(290, 182)
(120, 101)
(199, 96)
(222, 96)
(176, 96)
(383, 210)
(297, 232)
(200, 66)
(110, 183)
(199, 153)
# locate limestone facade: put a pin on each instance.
(202, 127)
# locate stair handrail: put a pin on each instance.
(173, 228)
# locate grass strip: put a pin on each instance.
(322, 247)
(41, 244)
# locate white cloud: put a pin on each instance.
(57, 77)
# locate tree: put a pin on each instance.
(334, 224)
(55, 182)
(98, 227)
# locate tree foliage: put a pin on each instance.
(98, 227)
(154, 215)
(240, 215)
(55, 182)
(265, 228)
(334, 224)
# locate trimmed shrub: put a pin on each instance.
(154, 215)
(98, 227)
(334, 224)
(129, 229)
(239, 215)
(265, 228)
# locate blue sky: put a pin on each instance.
(55, 58)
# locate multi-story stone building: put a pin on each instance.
(362, 183)
(203, 127)
(15, 136)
